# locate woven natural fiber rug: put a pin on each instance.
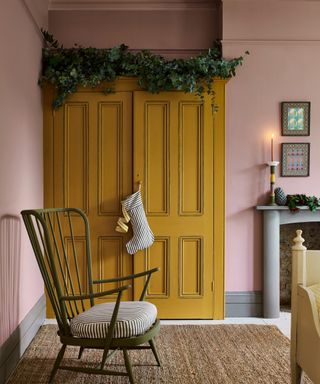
(201, 354)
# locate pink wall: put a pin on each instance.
(283, 38)
(164, 30)
(20, 159)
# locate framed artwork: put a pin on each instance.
(295, 159)
(295, 118)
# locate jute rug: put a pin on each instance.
(201, 354)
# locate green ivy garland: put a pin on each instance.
(293, 201)
(67, 69)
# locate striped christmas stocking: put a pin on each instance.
(142, 234)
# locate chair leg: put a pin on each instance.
(80, 352)
(154, 350)
(57, 363)
(296, 375)
(128, 365)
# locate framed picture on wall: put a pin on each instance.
(295, 118)
(295, 159)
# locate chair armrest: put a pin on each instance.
(129, 277)
(98, 294)
(147, 273)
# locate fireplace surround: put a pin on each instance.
(273, 217)
(310, 233)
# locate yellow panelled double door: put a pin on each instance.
(99, 147)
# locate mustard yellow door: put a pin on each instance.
(98, 147)
(88, 165)
(173, 158)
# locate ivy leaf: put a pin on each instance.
(69, 68)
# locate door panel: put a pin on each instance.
(91, 153)
(75, 156)
(158, 256)
(157, 155)
(191, 164)
(110, 157)
(190, 267)
(173, 148)
(111, 169)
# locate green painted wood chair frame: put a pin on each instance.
(54, 234)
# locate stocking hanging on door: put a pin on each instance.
(142, 234)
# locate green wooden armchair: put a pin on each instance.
(110, 326)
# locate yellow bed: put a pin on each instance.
(305, 309)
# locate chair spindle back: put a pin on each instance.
(61, 242)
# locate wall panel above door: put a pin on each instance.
(118, 5)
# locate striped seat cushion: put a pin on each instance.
(134, 318)
(315, 289)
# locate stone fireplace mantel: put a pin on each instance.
(273, 217)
